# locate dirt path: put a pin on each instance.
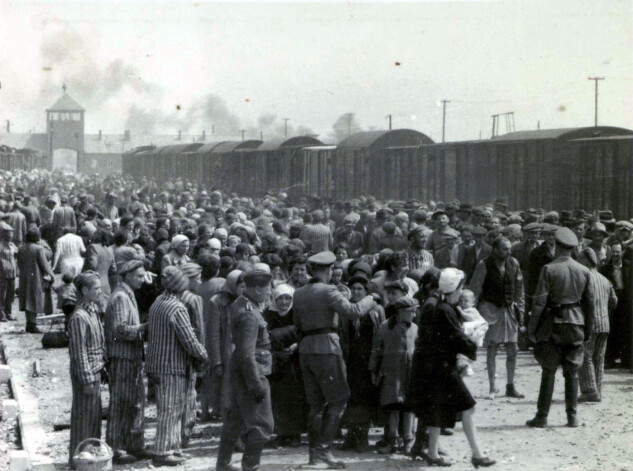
(604, 441)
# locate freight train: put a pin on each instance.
(575, 168)
(12, 159)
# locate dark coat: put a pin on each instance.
(33, 265)
(539, 257)
(437, 392)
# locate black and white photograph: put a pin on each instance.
(299, 235)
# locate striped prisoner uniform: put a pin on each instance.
(171, 349)
(419, 259)
(193, 303)
(318, 237)
(126, 421)
(87, 351)
(592, 368)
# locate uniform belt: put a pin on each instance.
(323, 330)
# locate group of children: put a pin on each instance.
(392, 356)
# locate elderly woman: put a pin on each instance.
(357, 337)
(35, 271)
(177, 255)
(218, 339)
(87, 361)
(437, 392)
(286, 383)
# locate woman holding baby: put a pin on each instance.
(437, 392)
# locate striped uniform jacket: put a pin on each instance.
(172, 340)
(605, 300)
(86, 345)
(419, 259)
(122, 325)
(193, 303)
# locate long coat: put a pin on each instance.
(437, 392)
(392, 357)
(33, 266)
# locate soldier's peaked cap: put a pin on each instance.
(322, 259)
(566, 237)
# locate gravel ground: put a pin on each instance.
(604, 441)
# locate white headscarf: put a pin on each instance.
(280, 290)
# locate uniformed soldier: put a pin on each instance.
(317, 307)
(562, 318)
(250, 414)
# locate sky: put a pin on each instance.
(225, 67)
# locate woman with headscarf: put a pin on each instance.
(87, 361)
(437, 393)
(35, 272)
(357, 337)
(286, 383)
(177, 255)
(218, 339)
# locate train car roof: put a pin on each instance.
(297, 141)
(565, 134)
(323, 147)
(384, 139)
(177, 148)
(230, 146)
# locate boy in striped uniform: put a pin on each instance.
(124, 337)
(172, 347)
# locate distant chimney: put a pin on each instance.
(99, 135)
(8, 126)
(204, 135)
(179, 136)
(126, 135)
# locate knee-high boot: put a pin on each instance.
(252, 456)
(225, 453)
(548, 379)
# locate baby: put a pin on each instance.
(473, 325)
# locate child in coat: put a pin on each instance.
(390, 366)
(473, 325)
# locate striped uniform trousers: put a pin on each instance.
(592, 368)
(85, 414)
(170, 403)
(126, 420)
(189, 417)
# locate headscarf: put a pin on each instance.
(174, 280)
(280, 290)
(230, 285)
(177, 240)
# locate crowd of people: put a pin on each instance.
(281, 316)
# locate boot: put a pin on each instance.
(32, 329)
(389, 447)
(252, 456)
(362, 440)
(323, 455)
(512, 392)
(571, 399)
(225, 453)
(538, 421)
(546, 391)
(421, 440)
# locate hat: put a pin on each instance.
(420, 214)
(478, 230)
(361, 267)
(590, 255)
(322, 259)
(83, 279)
(438, 213)
(598, 227)
(191, 269)
(624, 225)
(450, 278)
(502, 201)
(359, 277)
(397, 284)
(466, 208)
(214, 243)
(405, 303)
(548, 228)
(450, 234)
(128, 266)
(389, 228)
(606, 215)
(174, 280)
(565, 215)
(417, 229)
(258, 275)
(566, 237)
(532, 227)
(177, 240)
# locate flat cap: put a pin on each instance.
(590, 255)
(397, 284)
(361, 267)
(532, 227)
(450, 234)
(405, 303)
(549, 228)
(566, 237)
(438, 213)
(466, 208)
(478, 230)
(624, 225)
(322, 259)
(258, 275)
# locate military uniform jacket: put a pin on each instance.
(318, 306)
(252, 358)
(565, 285)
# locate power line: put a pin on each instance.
(389, 118)
(349, 123)
(286, 126)
(596, 79)
(444, 117)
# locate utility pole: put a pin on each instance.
(286, 126)
(444, 117)
(261, 135)
(243, 132)
(596, 79)
(349, 123)
(389, 118)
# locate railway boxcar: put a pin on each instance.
(360, 165)
(311, 171)
(226, 166)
